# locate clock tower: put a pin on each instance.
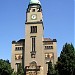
(34, 52)
(34, 62)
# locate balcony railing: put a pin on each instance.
(28, 68)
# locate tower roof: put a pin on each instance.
(34, 2)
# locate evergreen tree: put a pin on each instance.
(66, 61)
(20, 70)
(50, 69)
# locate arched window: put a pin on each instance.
(33, 64)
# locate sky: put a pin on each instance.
(58, 20)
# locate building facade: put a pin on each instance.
(34, 52)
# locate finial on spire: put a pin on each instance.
(35, 2)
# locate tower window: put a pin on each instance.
(33, 29)
(48, 55)
(18, 56)
(18, 65)
(33, 10)
(33, 44)
(48, 47)
(18, 48)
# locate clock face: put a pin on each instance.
(33, 17)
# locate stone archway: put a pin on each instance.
(32, 69)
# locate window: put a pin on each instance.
(18, 48)
(18, 56)
(33, 44)
(33, 64)
(33, 10)
(48, 47)
(32, 55)
(18, 65)
(48, 55)
(33, 29)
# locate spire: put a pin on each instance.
(34, 2)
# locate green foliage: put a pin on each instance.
(14, 73)
(20, 70)
(66, 61)
(51, 70)
(5, 68)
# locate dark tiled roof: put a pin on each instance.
(19, 41)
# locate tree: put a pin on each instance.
(20, 70)
(66, 61)
(50, 69)
(14, 73)
(5, 68)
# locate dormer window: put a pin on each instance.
(33, 10)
